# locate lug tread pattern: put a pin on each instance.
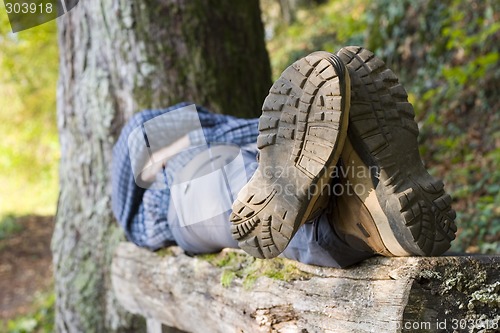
(382, 117)
(301, 117)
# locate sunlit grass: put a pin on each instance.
(29, 147)
(29, 154)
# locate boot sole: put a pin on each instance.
(384, 133)
(301, 133)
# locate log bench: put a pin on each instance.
(233, 292)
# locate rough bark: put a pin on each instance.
(379, 295)
(116, 58)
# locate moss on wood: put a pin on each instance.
(237, 265)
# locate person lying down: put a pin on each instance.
(329, 175)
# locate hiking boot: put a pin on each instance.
(302, 130)
(356, 215)
(382, 157)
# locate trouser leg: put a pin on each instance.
(202, 194)
(207, 236)
(316, 243)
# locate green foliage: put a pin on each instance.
(446, 54)
(41, 320)
(29, 149)
(324, 27)
(9, 226)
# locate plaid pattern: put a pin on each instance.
(143, 213)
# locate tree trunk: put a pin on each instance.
(288, 8)
(116, 58)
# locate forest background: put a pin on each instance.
(446, 54)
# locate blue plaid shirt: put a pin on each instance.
(143, 212)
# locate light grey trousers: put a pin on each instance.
(200, 206)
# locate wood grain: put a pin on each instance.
(379, 295)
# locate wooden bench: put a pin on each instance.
(233, 292)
